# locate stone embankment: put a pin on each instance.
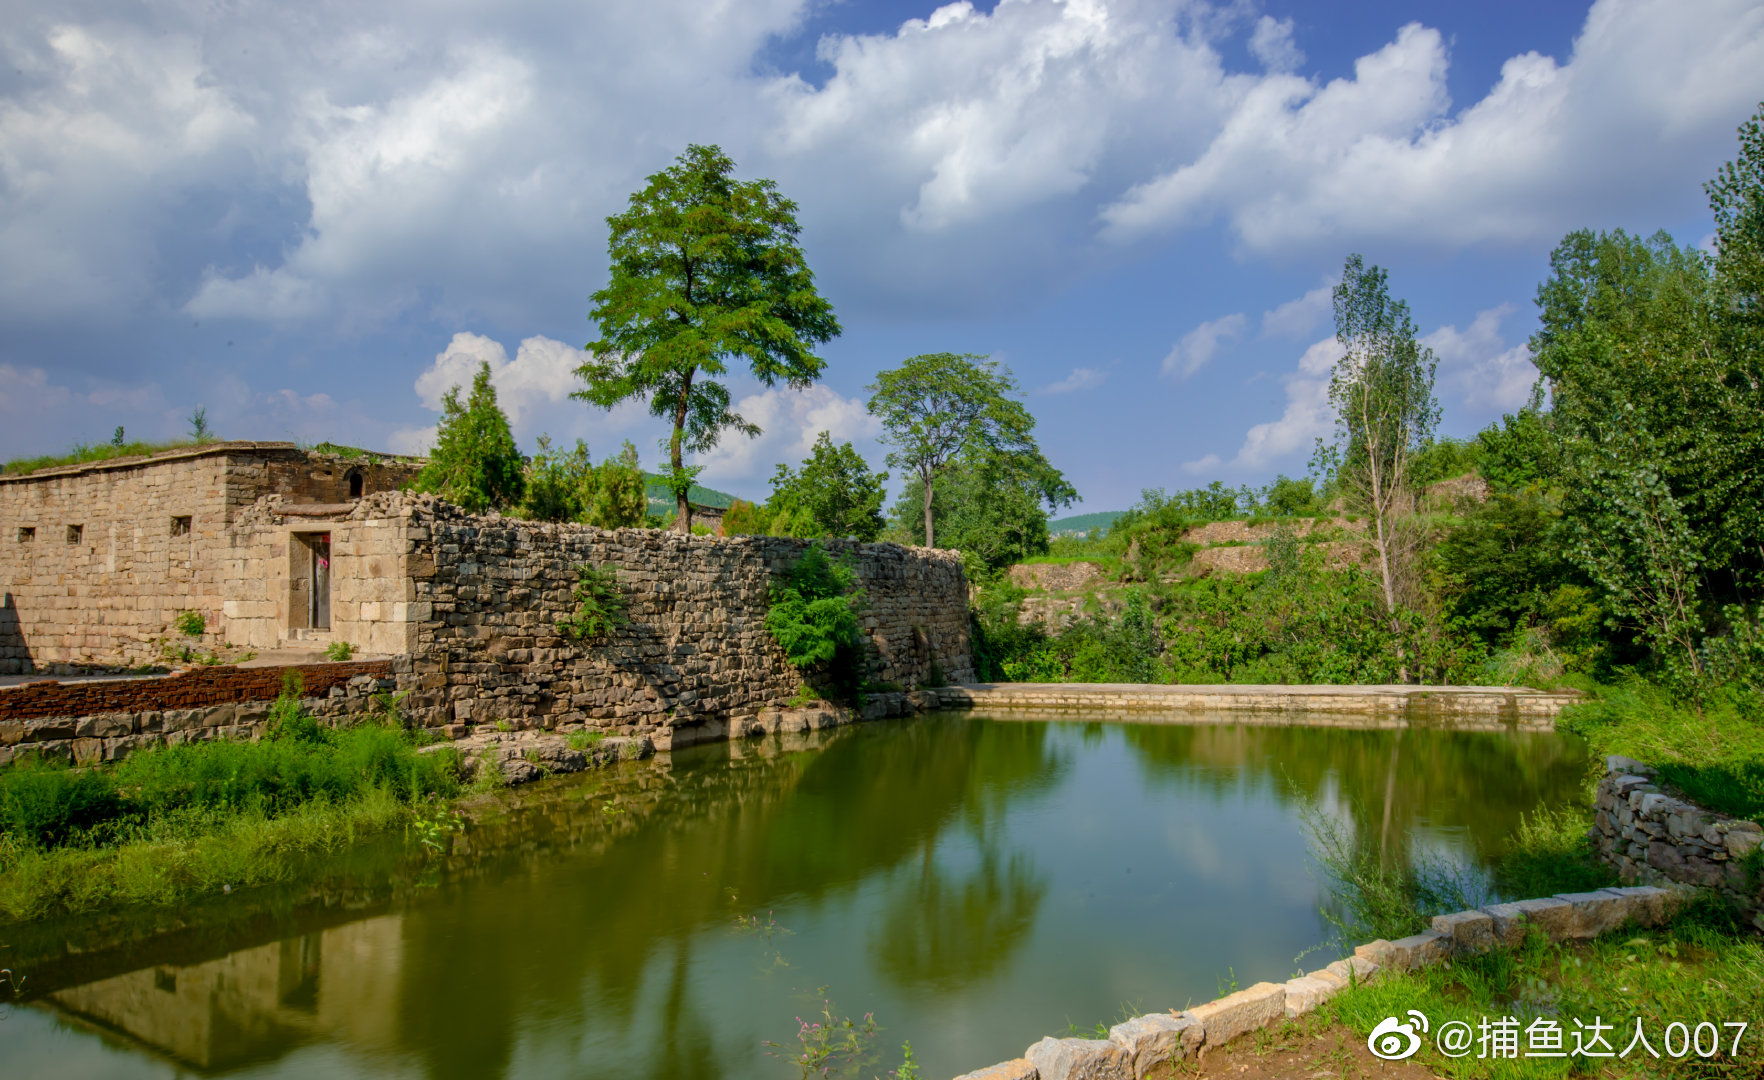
(1346, 706)
(1647, 834)
(523, 756)
(105, 720)
(1137, 1046)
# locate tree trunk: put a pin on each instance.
(1383, 507)
(682, 505)
(930, 537)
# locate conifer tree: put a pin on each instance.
(475, 464)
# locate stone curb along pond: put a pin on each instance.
(1136, 1046)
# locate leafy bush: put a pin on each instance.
(600, 606)
(813, 618)
(48, 804)
(339, 651)
(191, 623)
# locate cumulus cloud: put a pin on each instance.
(1297, 318)
(790, 421)
(1082, 378)
(1198, 347)
(1306, 418)
(533, 389)
(1649, 85)
(1271, 43)
(1478, 369)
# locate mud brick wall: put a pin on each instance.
(1648, 835)
(490, 593)
(105, 721)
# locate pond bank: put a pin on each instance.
(1387, 706)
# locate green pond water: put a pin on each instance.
(974, 884)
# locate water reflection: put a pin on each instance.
(975, 883)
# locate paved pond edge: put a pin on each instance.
(1135, 1046)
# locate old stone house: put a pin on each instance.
(282, 549)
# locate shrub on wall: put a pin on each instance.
(600, 606)
(813, 617)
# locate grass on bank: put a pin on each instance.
(172, 823)
(1712, 751)
(1699, 969)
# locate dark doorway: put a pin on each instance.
(319, 611)
(355, 484)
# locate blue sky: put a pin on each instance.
(315, 218)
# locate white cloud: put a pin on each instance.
(1651, 84)
(543, 372)
(1082, 378)
(1297, 318)
(790, 421)
(1271, 43)
(1476, 366)
(1307, 416)
(1198, 347)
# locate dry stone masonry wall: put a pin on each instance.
(1650, 835)
(695, 661)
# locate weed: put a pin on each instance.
(583, 740)
(339, 651)
(828, 1043)
(503, 725)
(600, 606)
(191, 623)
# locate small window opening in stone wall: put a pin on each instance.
(181, 525)
(27, 534)
(74, 533)
(355, 483)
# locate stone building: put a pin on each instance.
(97, 560)
(280, 549)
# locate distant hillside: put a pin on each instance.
(1083, 524)
(661, 499)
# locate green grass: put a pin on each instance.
(170, 823)
(1699, 969)
(84, 452)
(583, 740)
(1713, 752)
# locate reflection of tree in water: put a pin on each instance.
(1388, 781)
(942, 933)
(533, 938)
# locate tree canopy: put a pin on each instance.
(834, 493)
(475, 463)
(705, 270)
(937, 406)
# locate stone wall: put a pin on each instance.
(98, 559)
(695, 659)
(87, 722)
(1649, 835)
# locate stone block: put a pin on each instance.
(1648, 905)
(1354, 970)
(1015, 1069)
(1307, 992)
(1079, 1059)
(1380, 952)
(1244, 1011)
(88, 751)
(1470, 931)
(1743, 838)
(1511, 920)
(217, 716)
(1419, 950)
(1592, 913)
(1156, 1038)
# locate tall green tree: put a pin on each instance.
(705, 270)
(991, 506)
(834, 493)
(564, 485)
(937, 406)
(1382, 393)
(475, 464)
